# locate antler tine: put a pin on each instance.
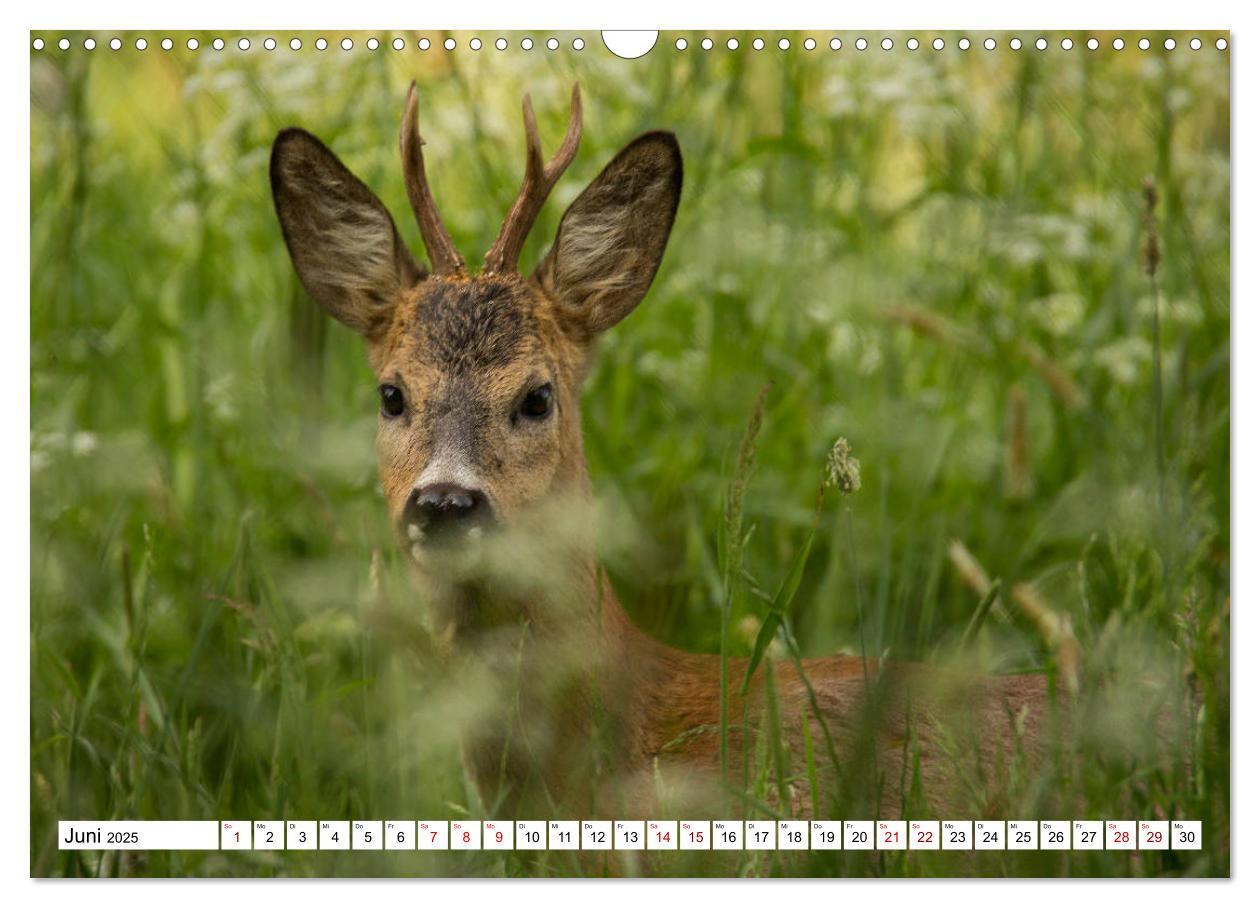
(535, 187)
(443, 255)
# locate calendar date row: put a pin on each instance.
(633, 835)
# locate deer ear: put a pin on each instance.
(612, 238)
(343, 243)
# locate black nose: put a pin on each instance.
(441, 509)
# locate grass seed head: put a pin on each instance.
(1150, 248)
(844, 471)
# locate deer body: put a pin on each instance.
(655, 711)
(482, 465)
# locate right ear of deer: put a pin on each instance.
(611, 240)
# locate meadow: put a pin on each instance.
(942, 257)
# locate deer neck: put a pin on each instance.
(570, 674)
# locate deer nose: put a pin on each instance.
(444, 509)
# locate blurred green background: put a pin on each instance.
(937, 255)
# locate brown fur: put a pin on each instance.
(591, 717)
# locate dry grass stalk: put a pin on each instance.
(936, 327)
(1055, 630)
(977, 579)
(969, 569)
(926, 323)
(1150, 249)
(1017, 478)
(1053, 374)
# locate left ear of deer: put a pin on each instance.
(611, 240)
(343, 242)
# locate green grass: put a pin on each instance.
(905, 244)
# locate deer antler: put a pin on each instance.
(535, 187)
(443, 255)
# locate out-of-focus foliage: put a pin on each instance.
(934, 254)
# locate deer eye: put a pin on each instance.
(536, 404)
(391, 400)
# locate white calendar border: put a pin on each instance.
(574, 15)
(787, 14)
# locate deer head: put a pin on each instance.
(479, 374)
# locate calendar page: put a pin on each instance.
(706, 453)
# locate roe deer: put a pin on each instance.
(480, 448)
